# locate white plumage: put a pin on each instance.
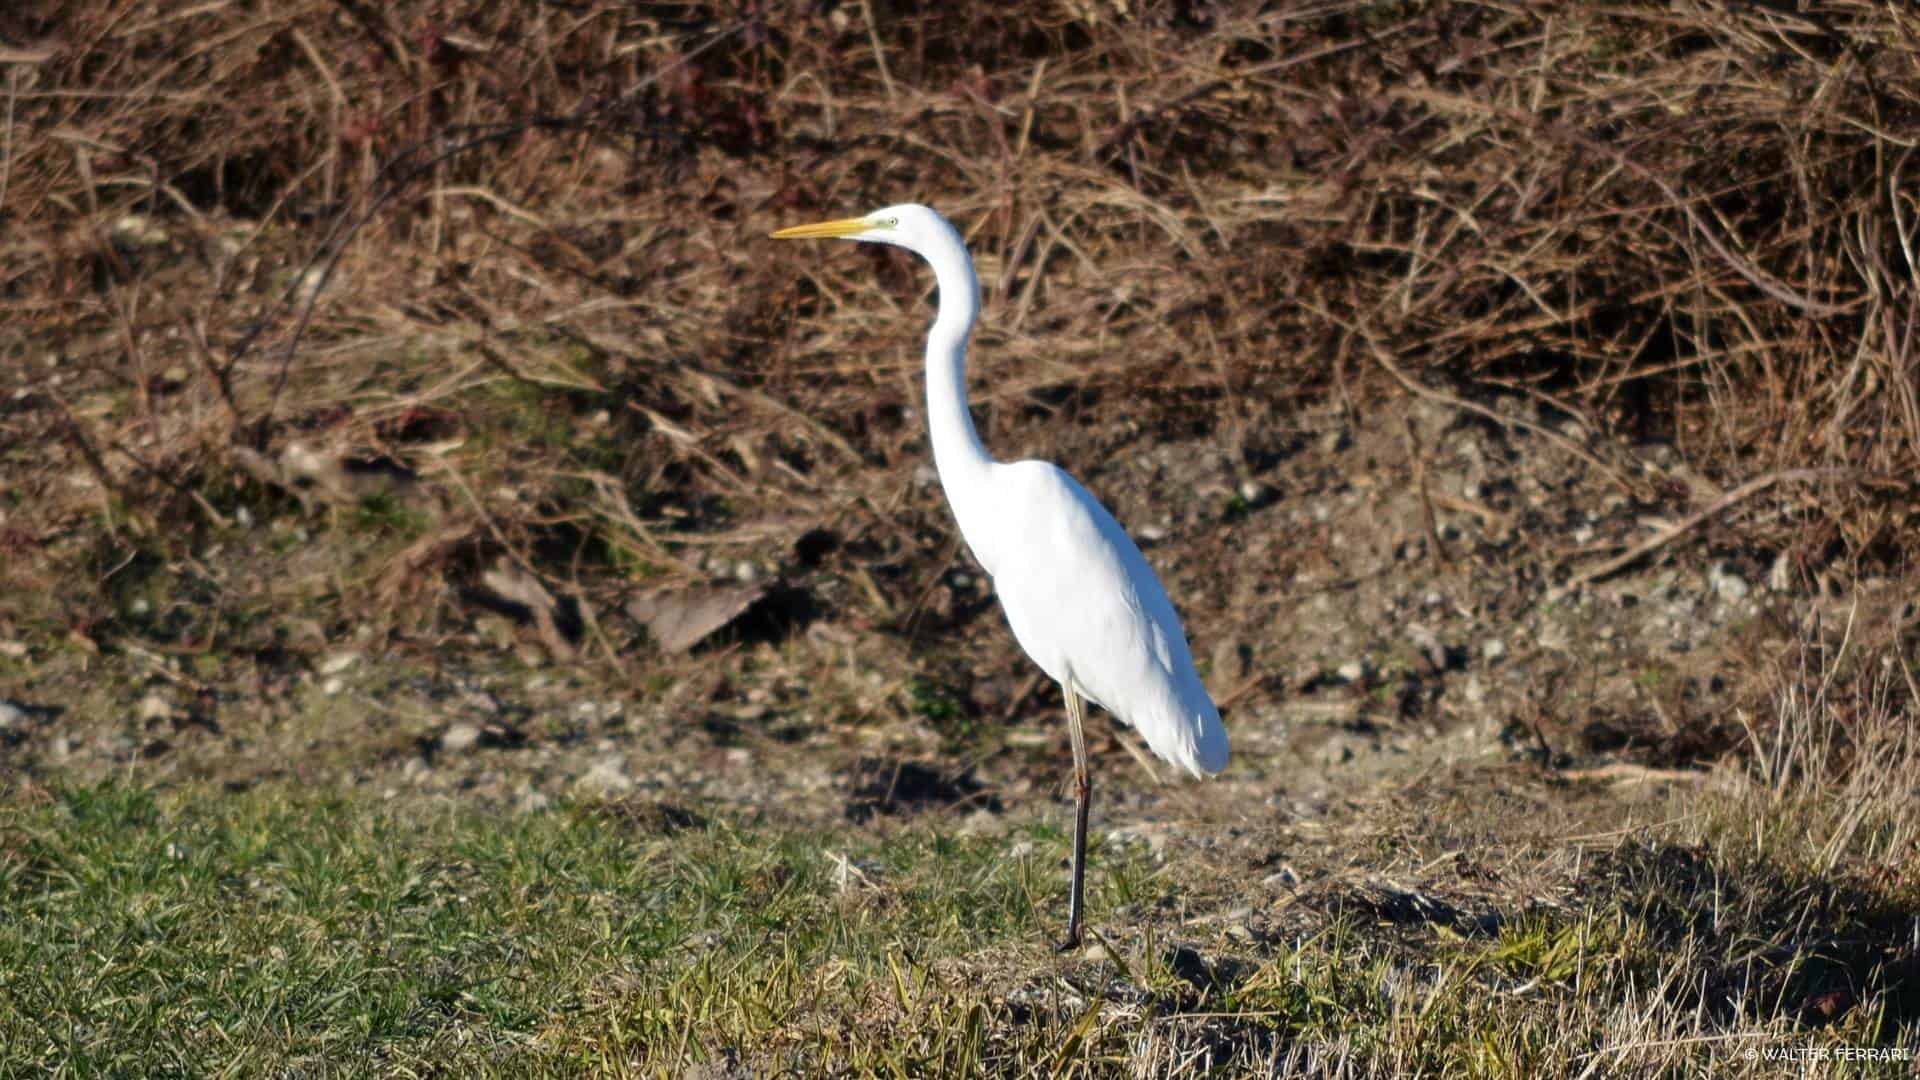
(1088, 609)
(1080, 597)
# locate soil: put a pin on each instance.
(1371, 593)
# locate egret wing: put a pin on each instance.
(1086, 606)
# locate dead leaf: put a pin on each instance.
(677, 620)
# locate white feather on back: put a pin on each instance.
(1086, 606)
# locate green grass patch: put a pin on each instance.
(287, 930)
(143, 933)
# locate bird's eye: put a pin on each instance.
(893, 223)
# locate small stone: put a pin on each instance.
(153, 708)
(332, 687)
(1153, 534)
(1352, 671)
(1494, 650)
(1429, 646)
(746, 572)
(1583, 535)
(415, 769)
(338, 662)
(532, 801)
(460, 738)
(1728, 585)
(1475, 691)
(1255, 493)
(1095, 952)
(608, 777)
(11, 716)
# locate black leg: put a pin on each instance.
(1083, 799)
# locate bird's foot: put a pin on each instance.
(1070, 943)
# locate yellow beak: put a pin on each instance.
(842, 227)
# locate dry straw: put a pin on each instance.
(513, 253)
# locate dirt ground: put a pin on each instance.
(1370, 592)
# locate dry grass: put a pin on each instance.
(1837, 759)
(422, 234)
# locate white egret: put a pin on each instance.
(1080, 597)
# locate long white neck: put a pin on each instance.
(962, 461)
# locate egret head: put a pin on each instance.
(908, 225)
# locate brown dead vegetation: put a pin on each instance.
(491, 281)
